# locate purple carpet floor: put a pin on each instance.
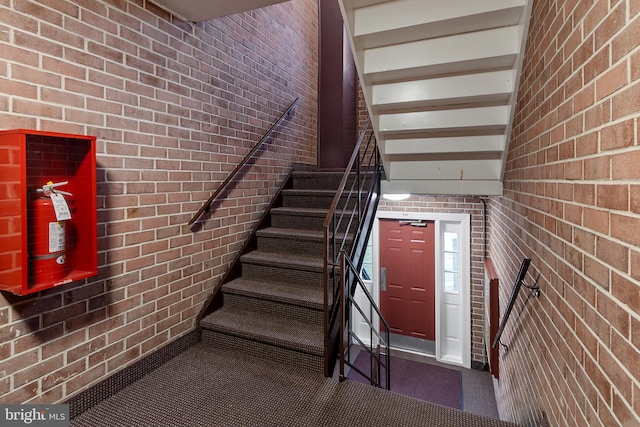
(419, 380)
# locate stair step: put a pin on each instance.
(472, 89)
(489, 119)
(292, 233)
(274, 309)
(282, 292)
(450, 144)
(293, 262)
(292, 241)
(316, 199)
(298, 218)
(293, 335)
(285, 233)
(304, 167)
(316, 180)
(244, 347)
(308, 198)
(305, 212)
(300, 303)
(282, 268)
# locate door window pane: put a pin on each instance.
(450, 281)
(450, 241)
(451, 262)
(367, 265)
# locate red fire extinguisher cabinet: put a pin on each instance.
(30, 159)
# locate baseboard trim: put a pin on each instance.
(105, 389)
(480, 366)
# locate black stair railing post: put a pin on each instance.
(341, 315)
(358, 187)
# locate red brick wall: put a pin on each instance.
(458, 205)
(174, 106)
(571, 205)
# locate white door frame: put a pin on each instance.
(464, 220)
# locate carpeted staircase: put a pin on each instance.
(275, 308)
(267, 336)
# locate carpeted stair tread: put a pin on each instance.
(318, 180)
(317, 173)
(309, 192)
(305, 167)
(305, 218)
(299, 336)
(316, 212)
(291, 233)
(291, 261)
(294, 233)
(281, 292)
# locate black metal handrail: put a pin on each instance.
(512, 299)
(349, 222)
(207, 205)
(381, 357)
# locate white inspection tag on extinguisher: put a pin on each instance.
(61, 207)
(56, 237)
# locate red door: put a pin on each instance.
(407, 254)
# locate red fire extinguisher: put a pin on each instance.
(48, 217)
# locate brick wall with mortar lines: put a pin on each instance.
(174, 106)
(571, 204)
(457, 205)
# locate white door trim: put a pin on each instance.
(465, 274)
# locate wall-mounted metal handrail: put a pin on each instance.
(512, 299)
(207, 205)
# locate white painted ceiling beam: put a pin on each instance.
(205, 10)
(443, 187)
(460, 144)
(446, 169)
(357, 4)
(482, 118)
(490, 49)
(495, 86)
(402, 21)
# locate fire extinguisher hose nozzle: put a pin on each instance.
(50, 188)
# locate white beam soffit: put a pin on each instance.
(205, 10)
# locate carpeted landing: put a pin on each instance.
(420, 380)
(204, 387)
